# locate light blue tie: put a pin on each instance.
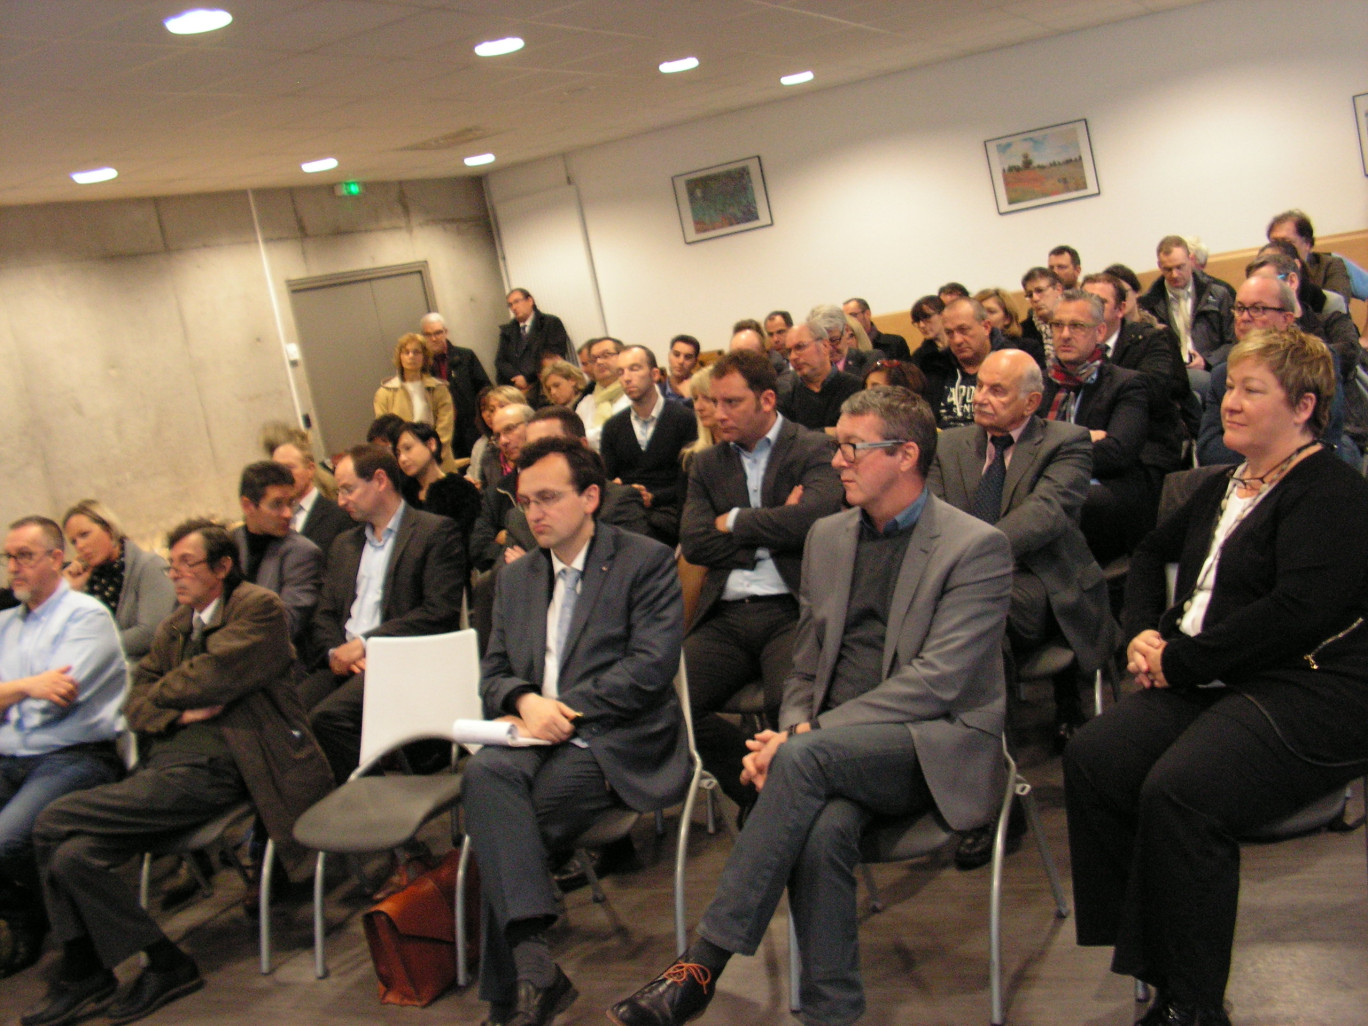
(570, 578)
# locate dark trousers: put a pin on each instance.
(823, 790)
(521, 804)
(335, 717)
(737, 644)
(80, 838)
(1158, 792)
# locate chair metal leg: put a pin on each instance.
(875, 901)
(586, 863)
(997, 1012)
(1142, 992)
(264, 922)
(1023, 791)
(320, 964)
(681, 855)
(660, 823)
(462, 973)
(1097, 693)
(795, 967)
(145, 880)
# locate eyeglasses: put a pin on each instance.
(1257, 309)
(1076, 327)
(850, 450)
(183, 567)
(26, 557)
(542, 500)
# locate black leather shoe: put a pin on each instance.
(676, 996)
(68, 1002)
(536, 1007)
(153, 989)
(976, 846)
(618, 857)
(1172, 1013)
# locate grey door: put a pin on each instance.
(348, 324)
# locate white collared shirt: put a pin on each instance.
(366, 607)
(551, 672)
(764, 578)
(303, 508)
(1180, 317)
(645, 427)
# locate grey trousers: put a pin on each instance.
(81, 837)
(823, 790)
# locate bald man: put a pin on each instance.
(464, 375)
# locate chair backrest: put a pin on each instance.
(417, 688)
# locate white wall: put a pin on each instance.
(1204, 121)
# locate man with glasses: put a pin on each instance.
(607, 398)
(528, 336)
(969, 336)
(62, 684)
(813, 393)
(464, 375)
(1195, 305)
(1042, 289)
(894, 707)
(219, 720)
(893, 347)
(586, 639)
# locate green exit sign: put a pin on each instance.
(349, 189)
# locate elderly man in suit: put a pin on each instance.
(402, 573)
(528, 336)
(750, 503)
(270, 552)
(1029, 477)
(587, 632)
(315, 516)
(894, 707)
(464, 375)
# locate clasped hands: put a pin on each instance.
(348, 658)
(755, 766)
(1144, 658)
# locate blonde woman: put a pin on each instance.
(414, 395)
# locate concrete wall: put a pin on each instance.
(139, 343)
(1204, 121)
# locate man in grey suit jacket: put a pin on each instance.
(895, 707)
(270, 552)
(586, 639)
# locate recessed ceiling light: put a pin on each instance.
(798, 79)
(499, 47)
(478, 159)
(683, 64)
(312, 167)
(99, 174)
(190, 23)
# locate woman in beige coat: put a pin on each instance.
(413, 394)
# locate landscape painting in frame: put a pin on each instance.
(1042, 166)
(722, 200)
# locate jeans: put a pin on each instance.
(28, 783)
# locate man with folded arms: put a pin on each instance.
(894, 708)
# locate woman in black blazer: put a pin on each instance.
(1254, 697)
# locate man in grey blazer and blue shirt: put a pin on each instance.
(894, 707)
(582, 656)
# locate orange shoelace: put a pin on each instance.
(681, 971)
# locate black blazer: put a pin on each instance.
(657, 468)
(465, 377)
(717, 485)
(1117, 403)
(522, 355)
(423, 584)
(1153, 354)
(325, 522)
(893, 347)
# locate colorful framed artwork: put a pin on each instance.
(722, 200)
(1046, 165)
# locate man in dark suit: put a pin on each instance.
(1113, 403)
(1034, 495)
(315, 516)
(892, 347)
(525, 339)
(895, 707)
(464, 375)
(1198, 307)
(751, 500)
(270, 552)
(587, 632)
(401, 573)
(640, 445)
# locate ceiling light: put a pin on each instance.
(478, 159)
(499, 47)
(312, 167)
(190, 23)
(683, 64)
(798, 79)
(99, 174)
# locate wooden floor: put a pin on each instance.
(1301, 954)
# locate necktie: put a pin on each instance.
(196, 644)
(524, 326)
(988, 495)
(570, 594)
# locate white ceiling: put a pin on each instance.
(393, 89)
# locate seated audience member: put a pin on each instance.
(401, 573)
(749, 330)
(1029, 477)
(951, 291)
(777, 326)
(1252, 701)
(1196, 306)
(641, 444)
(62, 684)
(1113, 403)
(1064, 262)
(109, 566)
(427, 487)
(932, 356)
(607, 398)
(271, 553)
(683, 361)
(966, 327)
(746, 337)
(583, 654)
(621, 504)
(847, 344)
(1042, 289)
(1001, 313)
(275, 433)
(896, 372)
(384, 430)
(216, 708)
(1324, 270)
(460, 368)
(705, 422)
(1133, 312)
(1154, 355)
(892, 347)
(486, 462)
(750, 504)
(414, 394)
(869, 728)
(314, 515)
(813, 393)
(488, 537)
(562, 384)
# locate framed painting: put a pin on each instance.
(722, 200)
(1046, 165)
